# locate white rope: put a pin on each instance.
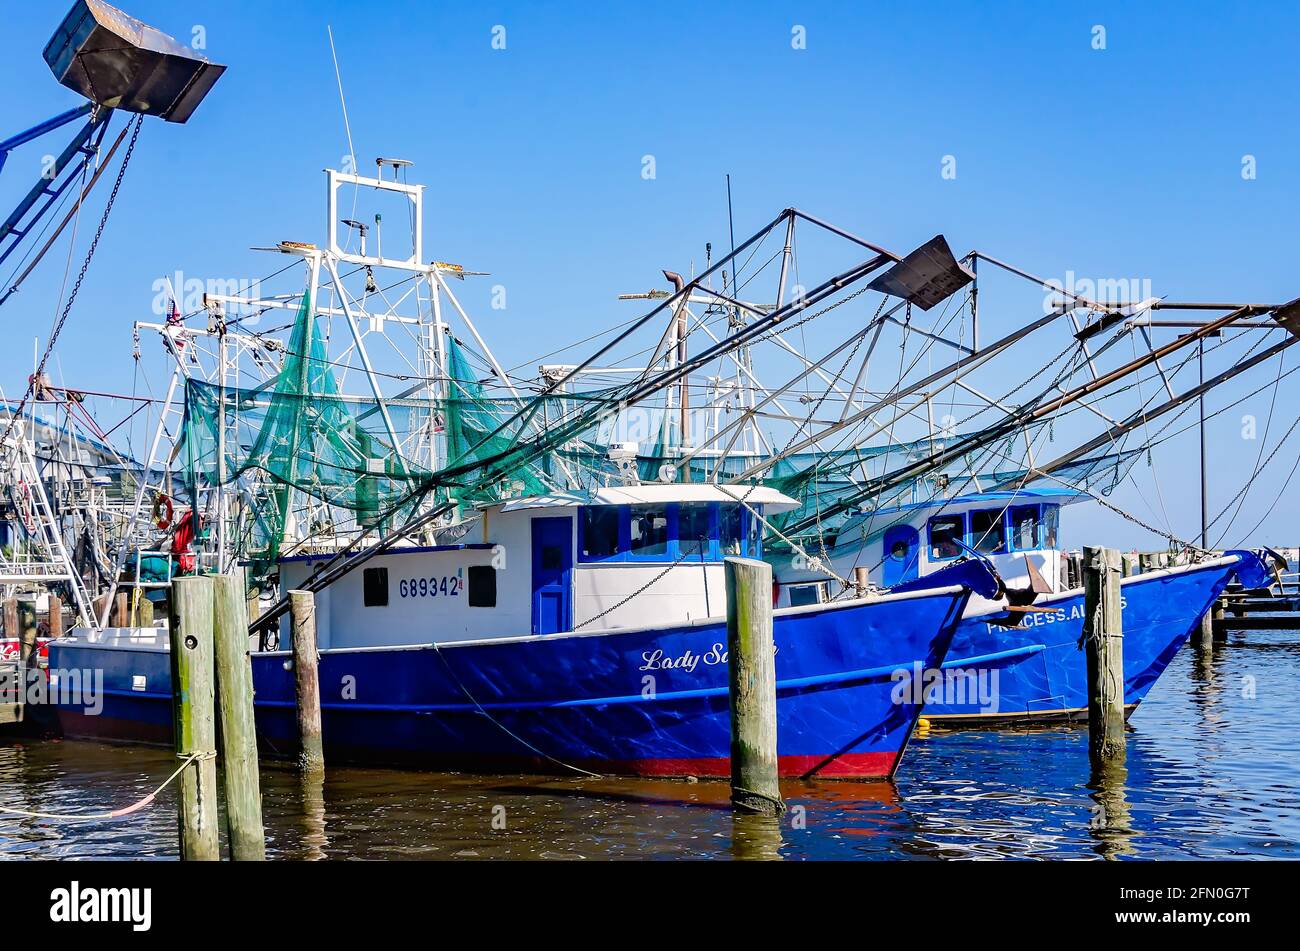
(116, 813)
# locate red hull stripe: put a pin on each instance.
(848, 766)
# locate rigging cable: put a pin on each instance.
(76, 288)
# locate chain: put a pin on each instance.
(76, 288)
(778, 331)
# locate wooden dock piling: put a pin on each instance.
(192, 706)
(234, 672)
(1103, 640)
(143, 613)
(54, 618)
(306, 657)
(1218, 626)
(751, 683)
(27, 646)
(11, 618)
(1203, 636)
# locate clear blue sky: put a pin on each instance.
(1122, 162)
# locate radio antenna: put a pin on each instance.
(347, 126)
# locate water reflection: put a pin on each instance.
(756, 838)
(1210, 772)
(1111, 823)
(314, 841)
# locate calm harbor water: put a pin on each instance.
(1212, 772)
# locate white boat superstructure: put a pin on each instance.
(618, 557)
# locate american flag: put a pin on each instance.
(174, 320)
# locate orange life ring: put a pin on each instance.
(163, 511)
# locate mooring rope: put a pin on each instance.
(501, 726)
(116, 813)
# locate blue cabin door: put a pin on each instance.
(902, 555)
(552, 575)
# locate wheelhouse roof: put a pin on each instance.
(962, 503)
(658, 494)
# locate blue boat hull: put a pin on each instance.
(642, 702)
(994, 674)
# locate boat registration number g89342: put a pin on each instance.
(448, 586)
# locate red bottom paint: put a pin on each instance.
(848, 766)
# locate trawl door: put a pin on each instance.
(552, 575)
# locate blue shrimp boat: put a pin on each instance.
(579, 632)
(1036, 669)
(1019, 665)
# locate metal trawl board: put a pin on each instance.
(119, 62)
(927, 276)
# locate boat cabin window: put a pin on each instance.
(1024, 527)
(694, 531)
(648, 537)
(703, 531)
(481, 586)
(1033, 526)
(994, 531)
(598, 534)
(987, 533)
(1051, 515)
(729, 529)
(374, 587)
(945, 533)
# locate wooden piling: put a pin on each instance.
(11, 618)
(1103, 639)
(751, 687)
(27, 646)
(97, 609)
(122, 610)
(306, 657)
(192, 708)
(1203, 636)
(234, 672)
(54, 618)
(1218, 626)
(144, 613)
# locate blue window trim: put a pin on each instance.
(1042, 523)
(929, 536)
(710, 551)
(971, 537)
(670, 548)
(624, 528)
(713, 553)
(1038, 527)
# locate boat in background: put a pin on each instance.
(1017, 655)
